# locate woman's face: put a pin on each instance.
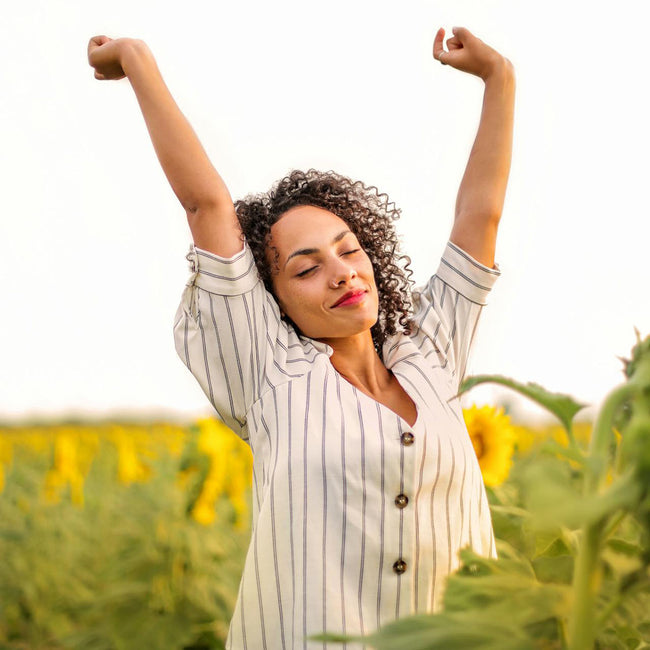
(323, 279)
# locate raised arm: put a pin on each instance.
(482, 190)
(196, 183)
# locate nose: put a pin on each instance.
(342, 273)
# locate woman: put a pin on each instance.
(299, 330)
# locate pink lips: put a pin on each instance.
(350, 298)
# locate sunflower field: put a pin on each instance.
(122, 535)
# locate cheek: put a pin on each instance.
(300, 300)
(293, 298)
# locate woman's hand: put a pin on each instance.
(468, 53)
(106, 55)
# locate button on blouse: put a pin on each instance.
(401, 501)
(407, 439)
(399, 566)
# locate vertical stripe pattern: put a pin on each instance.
(358, 516)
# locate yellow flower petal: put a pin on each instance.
(493, 438)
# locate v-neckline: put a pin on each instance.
(381, 404)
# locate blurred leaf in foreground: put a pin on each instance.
(564, 407)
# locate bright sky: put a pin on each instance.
(92, 240)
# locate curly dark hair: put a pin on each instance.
(369, 216)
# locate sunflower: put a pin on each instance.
(65, 470)
(493, 439)
(230, 472)
(130, 467)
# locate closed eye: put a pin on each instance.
(313, 268)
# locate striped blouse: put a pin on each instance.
(357, 516)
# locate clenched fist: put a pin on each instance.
(107, 55)
(468, 53)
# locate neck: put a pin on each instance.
(356, 359)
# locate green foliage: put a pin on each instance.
(129, 570)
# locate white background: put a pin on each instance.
(92, 240)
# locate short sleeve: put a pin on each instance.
(448, 307)
(229, 333)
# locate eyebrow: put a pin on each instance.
(311, 251)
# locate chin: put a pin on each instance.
(351, 325)
(342, 333)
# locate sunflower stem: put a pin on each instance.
(569, 432)
(587, 576)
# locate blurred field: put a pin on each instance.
(116, 535)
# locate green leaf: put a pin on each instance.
(557, 569)
(625, 547)
(551, 497)
(622, 557)
(443, 631)
(556, 542)
(564, 407)
(574, 454)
